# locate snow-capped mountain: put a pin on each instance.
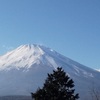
(24, 69)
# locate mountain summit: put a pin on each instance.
(22, 57)
(24, 69)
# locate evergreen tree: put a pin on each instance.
(57, 86)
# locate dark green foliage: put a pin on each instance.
(57, 86)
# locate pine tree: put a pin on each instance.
(57, 86)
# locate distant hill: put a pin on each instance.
(15, 98)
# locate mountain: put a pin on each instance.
(24, 69)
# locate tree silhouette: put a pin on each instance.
(57, 86)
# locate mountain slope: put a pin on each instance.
(24, 69)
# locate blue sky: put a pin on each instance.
(71, 27)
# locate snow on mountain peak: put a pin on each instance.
(23, 56)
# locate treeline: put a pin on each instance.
(15, 98)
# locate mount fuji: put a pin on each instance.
(25, 69)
